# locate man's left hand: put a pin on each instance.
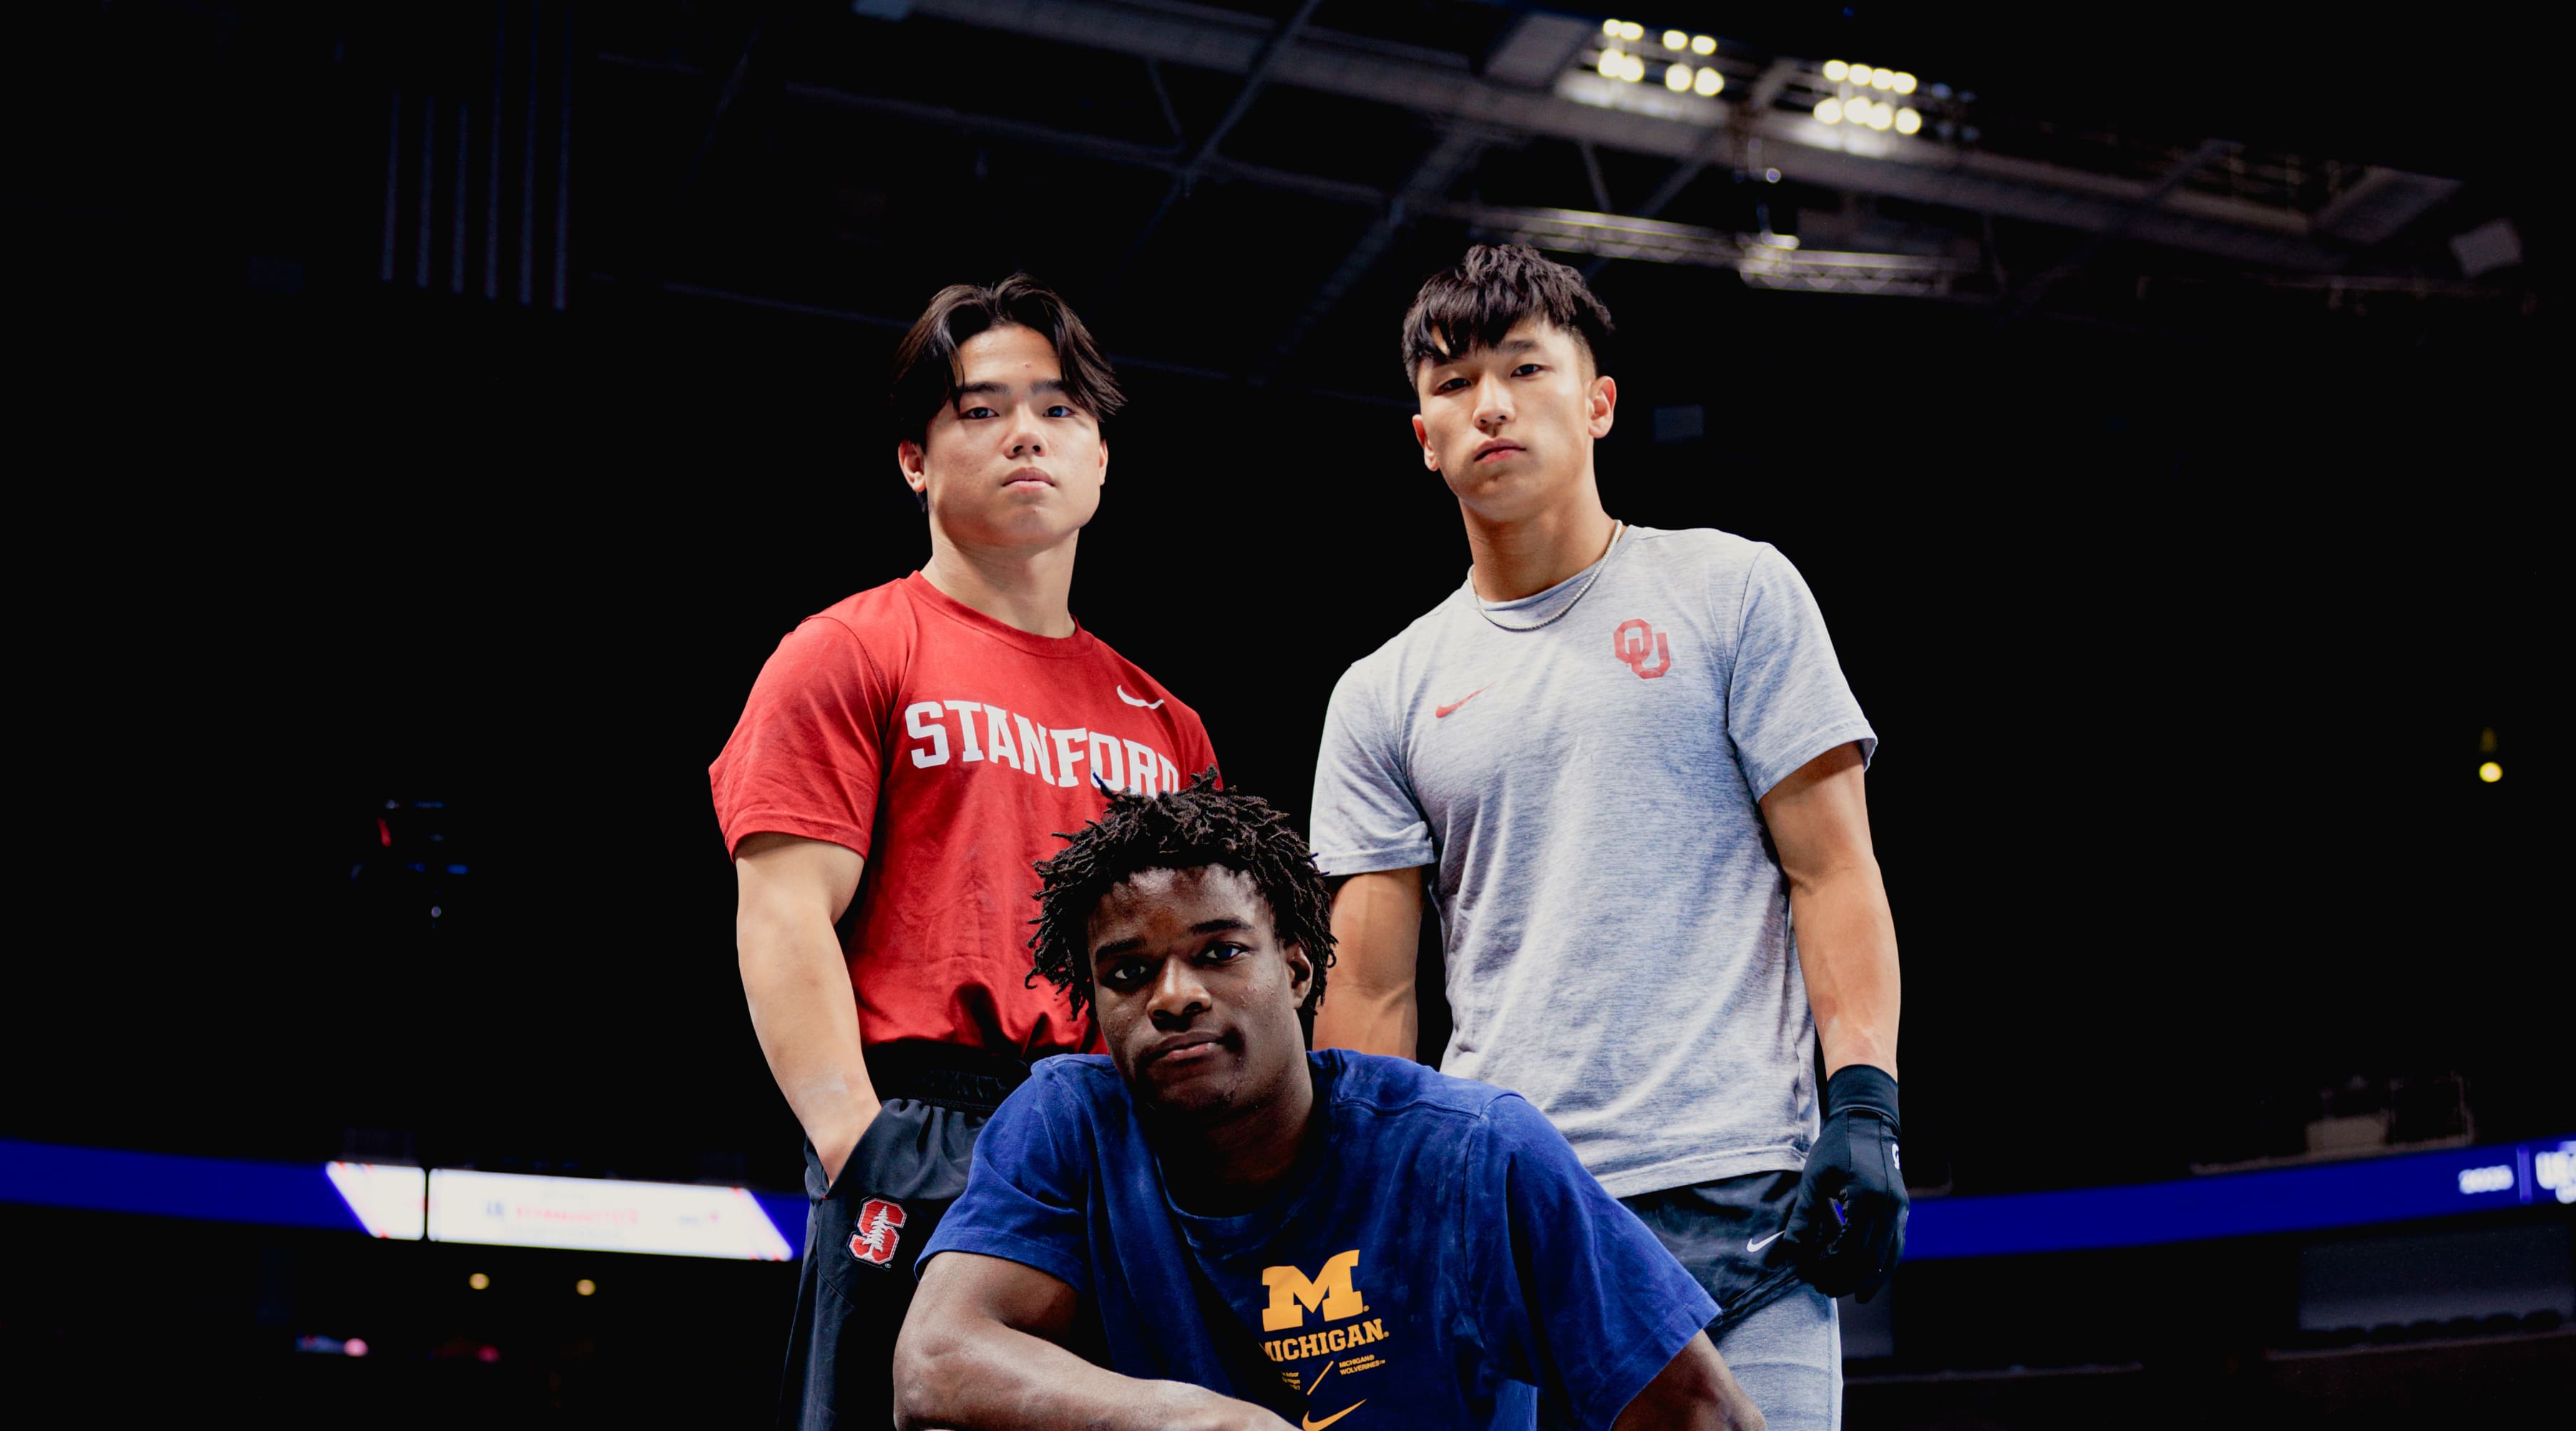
(1847, 1225)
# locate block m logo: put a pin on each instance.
(1330, 1293)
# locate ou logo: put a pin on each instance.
(1634, 642)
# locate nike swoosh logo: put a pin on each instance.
(1442, 712)
(1311, 1424)
(1131, 700)
(1765, 1242)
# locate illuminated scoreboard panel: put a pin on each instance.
(600, 1215)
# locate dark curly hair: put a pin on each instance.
(1184, 829)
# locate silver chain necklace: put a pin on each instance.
(1617, 530)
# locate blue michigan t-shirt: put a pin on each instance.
(1437, 1258)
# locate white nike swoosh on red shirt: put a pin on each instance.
(1131, 700)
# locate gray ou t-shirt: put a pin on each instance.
(1583, 795)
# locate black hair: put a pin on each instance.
(1179, 830)
(925, 362)
(1493, 287)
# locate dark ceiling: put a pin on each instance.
(2180, 590)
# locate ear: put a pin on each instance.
(1301, 970)
(1104, 462)
(913, 460)
(1422, 435)
(1603, 407)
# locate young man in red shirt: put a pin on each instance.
(904, 757)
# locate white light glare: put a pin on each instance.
(1610, 28)
(2486, 1180)
(1631, 30)
(1614, 65)
(1904, 82)
(1636, 69)
(1829, 111)
(1880, 116)
(1837, 71)
(1709, 81)
(1675, 39)
(1882, 79)
(1703, 44)
(1678, 79)
(1907, 121)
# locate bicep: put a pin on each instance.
(1818, 816)
(959, 1289)
(790, 877)
(1377, 927)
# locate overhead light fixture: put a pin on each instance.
(1678, 79)
(1675, 39)
(1882, 79)
(1881, 116)
(1904, 83)
(1908, 122)
(2490, 772)
(1631, 30)
(1610, 28)
(1829, 111)
(1837, 71)
(1703, 44)
(1614, 65)
(1709, 81)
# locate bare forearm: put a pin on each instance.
(808, 1023)
(993, 1378)
(1369, 1003)
(1847, 947)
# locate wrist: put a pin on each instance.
(1861, 1088)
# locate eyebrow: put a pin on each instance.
(1042, 385)
(1507, 346)
(1116, 947)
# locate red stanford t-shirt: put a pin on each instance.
(946, 748)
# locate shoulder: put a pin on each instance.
(866, 618)
(1703, 550)
(1375, 676)
(1137, 686)
(1387, 1085)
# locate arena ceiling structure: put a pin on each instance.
(1309, 161)
(2154, 410)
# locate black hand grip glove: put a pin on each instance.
(1847, 1226)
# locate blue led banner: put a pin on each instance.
(2325, 1195)
(405, 1203)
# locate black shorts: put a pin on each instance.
(1719, 1231)
(865, 1230)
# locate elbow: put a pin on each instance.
(929, 1368)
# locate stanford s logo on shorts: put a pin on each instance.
(1648, 642)
(877, 1234)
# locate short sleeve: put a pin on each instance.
(1364, 817)
(804, 758)
(1026, 1193)
(1580, 1299)
(1786, 700)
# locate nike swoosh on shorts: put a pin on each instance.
(1758, 1245)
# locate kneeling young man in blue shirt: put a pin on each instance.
(1212, 1227)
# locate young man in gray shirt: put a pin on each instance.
(1626, 765)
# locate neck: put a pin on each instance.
(1527, 555)
(1231, 1167)
(1030, 589)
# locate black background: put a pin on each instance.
(2179, 632)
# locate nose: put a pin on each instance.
(1179, 997)
(1493, 404)
(1026, 439)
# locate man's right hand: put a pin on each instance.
(834, 1150)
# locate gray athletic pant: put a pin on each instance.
(1781, 1337)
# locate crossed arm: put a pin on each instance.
(982, 1351)
(1819, 821)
